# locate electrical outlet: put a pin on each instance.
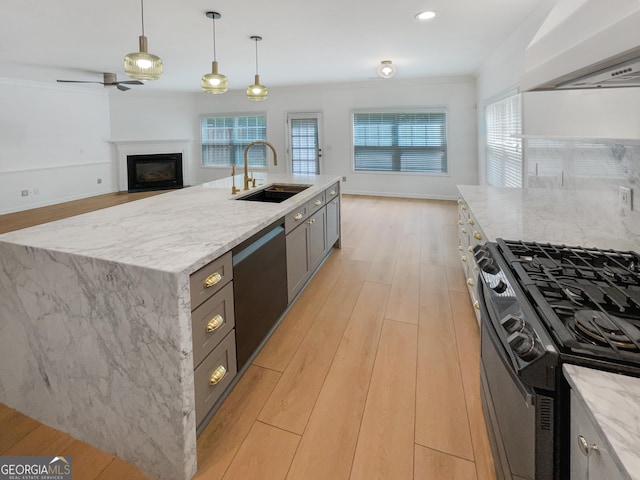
(625, 198)
(99, 181)
(25, 193)
(344, 179)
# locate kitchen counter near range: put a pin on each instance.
(96, 323)
(559, 216)
(612, 401)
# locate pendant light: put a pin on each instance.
(214, 82)
(386, 69)
(143, 65)
(256, 91)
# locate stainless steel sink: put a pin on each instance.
(275, 193)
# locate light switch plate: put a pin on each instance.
(625, 198)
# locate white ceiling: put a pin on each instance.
(304, 42)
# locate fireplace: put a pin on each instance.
(154, 171)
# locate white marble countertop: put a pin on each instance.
(612, 400)
(178, 232)
(570, 217)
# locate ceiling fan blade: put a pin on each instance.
(77, 81)
(122, 88)
(132, 82)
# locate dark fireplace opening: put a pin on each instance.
(154, 171)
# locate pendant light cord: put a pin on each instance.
(214, 38)
(256, 40)
(142, 9)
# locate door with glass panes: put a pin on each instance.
(304, 143)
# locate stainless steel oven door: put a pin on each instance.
(519, 420)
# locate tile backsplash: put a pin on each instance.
(588, 168)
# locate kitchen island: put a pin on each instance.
(95, 316)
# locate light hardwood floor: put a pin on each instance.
(372, 374)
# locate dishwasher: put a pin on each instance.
(259, 287)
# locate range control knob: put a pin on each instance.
(525, 346)
(487, 264)
(500, 287)
(514, 323)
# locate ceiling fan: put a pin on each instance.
(109, 80)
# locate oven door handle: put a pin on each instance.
(486, 323)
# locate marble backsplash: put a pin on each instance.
(590, 169)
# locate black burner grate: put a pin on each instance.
(589, 298)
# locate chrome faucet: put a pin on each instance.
(246, 160)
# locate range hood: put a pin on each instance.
(585, 44)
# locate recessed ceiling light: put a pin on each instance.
(425, 15)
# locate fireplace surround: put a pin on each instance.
(157, 171)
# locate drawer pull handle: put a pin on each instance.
(460, 247)
(312, 221)
(470, 282)
(463, 258)
(463, 207)
(585, 448)
(217, 375)
(215, 323)
(476, 305)
(460, 222)
(464, 230)
(470, 249)
(332, 192)
(317, 202)
(471, 222)
(476, 235)
(297, 217)
(212, 279)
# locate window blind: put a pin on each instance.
(504, 152)
(225, 138)
(400, 142)
(304, 146)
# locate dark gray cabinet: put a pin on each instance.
(306, 246)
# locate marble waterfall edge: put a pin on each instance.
(100, 350)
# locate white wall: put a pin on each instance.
(500, 75)
(54, 143)
(149, 117)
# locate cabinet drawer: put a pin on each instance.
(296, 217)
(332, 192)
(214, 375)
(211, 322)
(210, 279)
(316, 202)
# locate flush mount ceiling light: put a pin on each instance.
(428, 15)
(143, 65)
(214, 82)
(386, 69)
(256, 92)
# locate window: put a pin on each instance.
(504, 152)
(225, 138)
(400, 142)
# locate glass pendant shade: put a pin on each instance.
(386, 69)
(143, 65)
(256, 91)
(214, 82)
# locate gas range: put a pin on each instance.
(543, 305)
(582, 304)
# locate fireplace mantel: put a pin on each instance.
(142, 147)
